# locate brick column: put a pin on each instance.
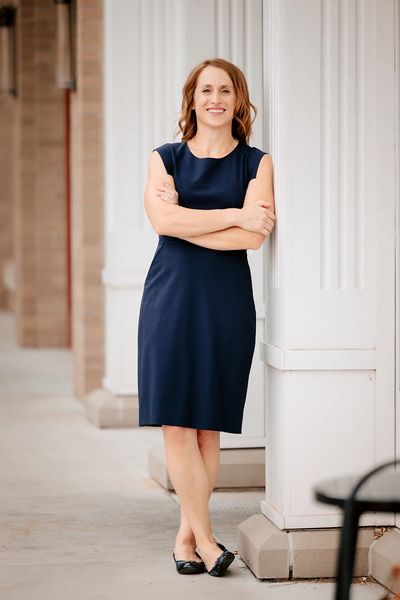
(87, 199)
(7, 166)
(39, 210)
(8, 128)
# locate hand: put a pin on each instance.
(257, 217)
(167, 193)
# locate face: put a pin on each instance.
(214, 89)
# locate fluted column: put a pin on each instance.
(330, 325)
(148, 54)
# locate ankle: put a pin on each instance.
(185, 539)
(206, 541)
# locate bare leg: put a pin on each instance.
(190, 480)
(209, 444)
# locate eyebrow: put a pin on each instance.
(210, 85)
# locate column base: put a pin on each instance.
(239, 468)
(272, 553)
(384, 555)
(105, 409)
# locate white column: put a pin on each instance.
(329, 340)
(149, 49)
(138, 116)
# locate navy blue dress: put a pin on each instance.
(197, 320)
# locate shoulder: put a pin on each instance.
(256, 154)
(254, 151)
(259, 162)
(163, 150)
(167, 147)
(167, 154)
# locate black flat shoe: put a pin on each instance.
(221, 546)
(189, 567)
(223, 561)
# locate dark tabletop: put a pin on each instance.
(379, 493)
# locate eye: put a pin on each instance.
(226, 90)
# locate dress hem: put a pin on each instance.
(189, 426)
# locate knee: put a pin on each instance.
(181, 436)
(206, 437)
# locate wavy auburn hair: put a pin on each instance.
(241, 122)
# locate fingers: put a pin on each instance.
(164, 188)
(270, 214)
(264, 203)
(267, 207)
(267, 226)
(167, 192)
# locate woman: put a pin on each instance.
(210, 198)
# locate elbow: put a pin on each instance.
(158, 227)
(259, 239)
(165, 221)
(155, 222)
(158, 221)
(163, 225)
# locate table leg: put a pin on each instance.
(345, 562)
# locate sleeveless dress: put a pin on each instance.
(197, 318)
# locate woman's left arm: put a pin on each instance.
(236, 238)
(233, 238)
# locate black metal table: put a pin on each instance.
(356, 495)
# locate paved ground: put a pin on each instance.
(80, 518)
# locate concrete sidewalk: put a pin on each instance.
(80, 518)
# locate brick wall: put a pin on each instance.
(33, 218)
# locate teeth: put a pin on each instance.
(215, 111)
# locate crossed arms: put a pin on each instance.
(215, 228)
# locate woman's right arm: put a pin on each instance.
(175, 220)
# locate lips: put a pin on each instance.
(216, 111)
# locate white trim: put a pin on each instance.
(313, 359)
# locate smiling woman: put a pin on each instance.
(210, 198)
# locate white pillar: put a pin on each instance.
(149, 49)
(329, 344)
